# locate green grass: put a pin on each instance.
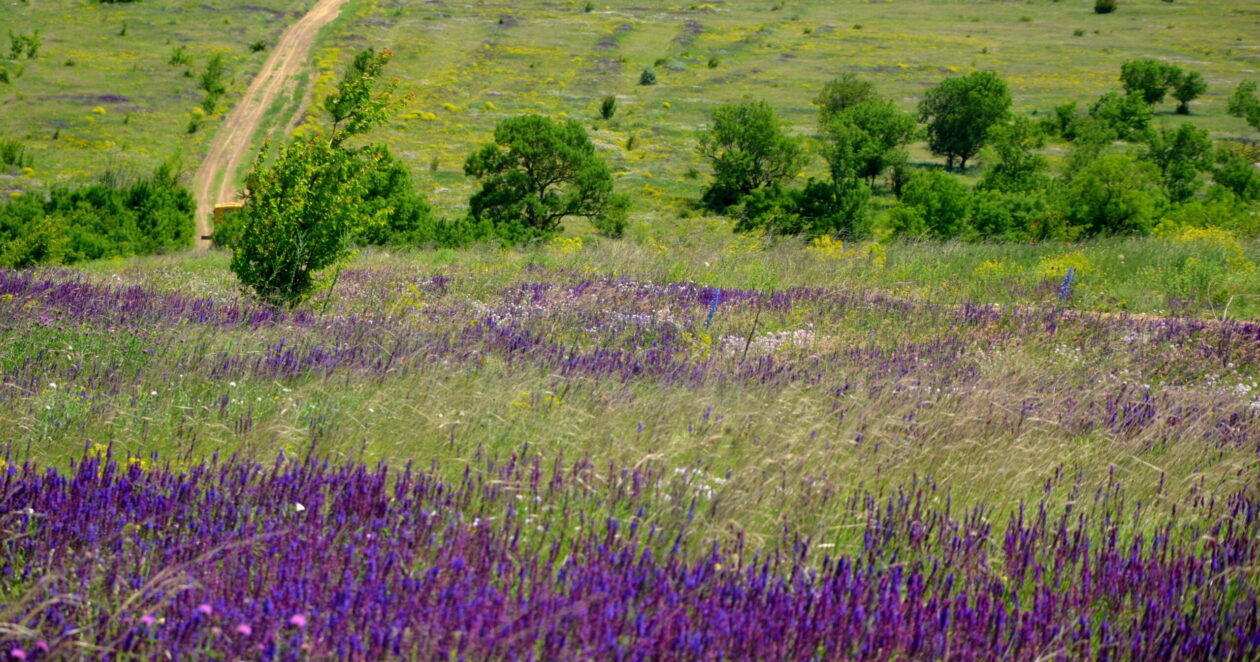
(94, 99)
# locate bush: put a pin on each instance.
(942, 201)
(109, 219)
(1235, 172)
(648, 77)
(820, 208)
(1127, 116)
(13, 153)
(399, 215)
(748, 150)
(1181, 154)
(1104, 6)
(1148, 79)
(1114, 194)
(536, 173)
(608, 107)
(301, 210)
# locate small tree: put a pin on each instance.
(959, 113)
(1148, 79)
(1243, 103)
(1188, 87)
(1126, 116)
(608, 107)
(942, 202)
(864, 140)
(841, 93)
(1019, 167)
(1112, 195)
(536, 173)
(1236, 173)
(301, 210)
(648, 76)
(1181, 154)
(748, 150)
(1104, 6)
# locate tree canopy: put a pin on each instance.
(959, 113)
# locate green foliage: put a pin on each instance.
(1114, 194)
(942, 201)
(398, 214)
(362, 99)
(536, 173)
(258, 46)
(865, 139)
(1019, 167)
(13, 153)
(179, 57)
(959, 113)
(841, 93)
(1189, 86)
(608, 107)
(24, 45)
(648, 76)
(1104, 6)
(214, 79)
(1181, 154)
(111, 219)
(1128, 117)
(1235, 172)
(1148, 79)
(748, 150)
(820, 208)
(1243, 103)
(298, 216)
(302, 210)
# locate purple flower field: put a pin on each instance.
(642, 471)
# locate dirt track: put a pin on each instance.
(232, 141)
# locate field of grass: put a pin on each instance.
(685, 444)
(102, 91)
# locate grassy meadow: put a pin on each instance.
(683, 444)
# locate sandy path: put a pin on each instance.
(232, 141)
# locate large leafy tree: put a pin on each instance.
(301, 210)
(959, 113)
(841, 93)
(536, 173)
(1018, 168)
(1188, 86)
(1243, 103)
(1114, 194)
(748, 150)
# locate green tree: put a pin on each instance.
(748, 150)
(1115, 194)
(399, 215)
(959, 113)
(1243, 103)
(842, 93)
(1236, 173)
(1188, 86)
(1127, 116)
(537, 172)
(1019, 167)
(1148, 79)
(942, 202)
(1181, 154)
(864, 140)
(301, 210)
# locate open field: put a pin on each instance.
(686, 443)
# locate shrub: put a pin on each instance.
(864, 140)
(398, 214)
(841, 93)
(258, 46)
(1019, 167)
(959, 113)
(1127, 116)
(536, 173)
(608, 107)
(301, 210)
(648, 77)
(1104, 6)
(13, 153)
(1236, 173)
(748, 150)
(943, 202)
(1188, 87)
(1243, 103)
(113, 218)
(1181, 154)
(1114, 194)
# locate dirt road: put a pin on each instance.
(215, 180)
